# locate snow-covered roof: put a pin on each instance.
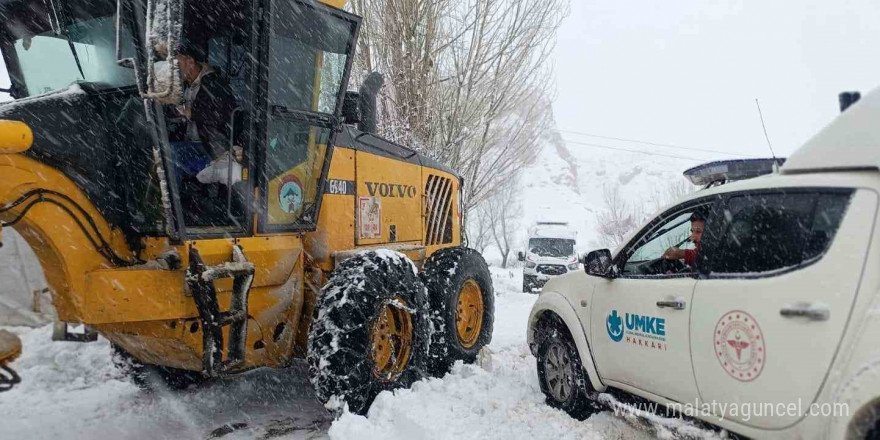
(850, 141)
(552, 230)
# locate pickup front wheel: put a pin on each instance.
(561, 375)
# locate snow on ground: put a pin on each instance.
(73, 391)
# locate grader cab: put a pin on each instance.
(311, 238)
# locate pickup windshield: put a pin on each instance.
(551, 247)
(80, 48)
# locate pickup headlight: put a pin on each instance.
(573, 266)
(530, 265)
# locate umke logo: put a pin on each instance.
(614, 325)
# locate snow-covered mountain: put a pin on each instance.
(568, 182)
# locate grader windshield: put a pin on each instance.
(56, 44)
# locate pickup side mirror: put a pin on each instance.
(598, 263)
(521, 256)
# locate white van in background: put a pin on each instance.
(550, 251)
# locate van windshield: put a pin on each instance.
(551, 247)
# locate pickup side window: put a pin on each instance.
(643, 257)
(770, 233)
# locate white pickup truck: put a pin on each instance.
(773, 332)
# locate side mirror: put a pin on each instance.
(521, 256)
(598, 263)
(351, 112)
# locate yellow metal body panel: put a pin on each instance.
(338, 4)
(336, 223)
(144, 310)
(15, 137)
(59, 243)
(392, 186)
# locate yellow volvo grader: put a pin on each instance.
(321, 240)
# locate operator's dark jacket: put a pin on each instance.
(211, 113)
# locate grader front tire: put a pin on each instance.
(370, 331)
(462, 305)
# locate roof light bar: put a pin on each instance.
(724, 171)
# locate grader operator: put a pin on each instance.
(315, 239)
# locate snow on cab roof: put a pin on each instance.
(850, 141)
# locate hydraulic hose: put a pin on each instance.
(100, 243)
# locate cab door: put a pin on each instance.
(641, 319)
(779, 286)
(305, 72)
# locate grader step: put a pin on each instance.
(200, 280)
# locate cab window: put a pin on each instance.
(646, 257)
(774, 232)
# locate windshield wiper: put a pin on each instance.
(75, 57)
(66, 34)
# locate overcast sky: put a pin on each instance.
(687, 72)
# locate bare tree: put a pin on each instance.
(468, 82)
(670, 193)
(619, 217)
(504, 211)
(479, 229)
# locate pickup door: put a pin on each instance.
(784, 269)
(641, 320)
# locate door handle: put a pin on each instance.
(676, 304)
(811, 311)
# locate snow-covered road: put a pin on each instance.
(73, 391)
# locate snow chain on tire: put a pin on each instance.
(449, 274)
(370, 331)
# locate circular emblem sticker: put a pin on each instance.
(290, 194)
(739, 346)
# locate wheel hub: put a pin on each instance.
(391, 333)
(558, 372)
(469, 313)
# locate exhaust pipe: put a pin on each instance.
(367, 102)
(847, 99)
